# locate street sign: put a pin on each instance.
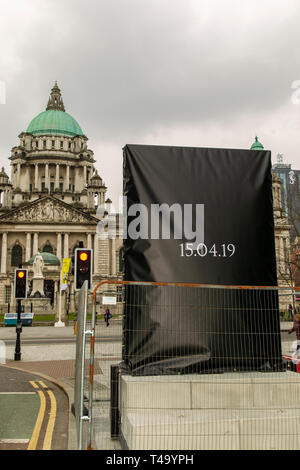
(106, 300)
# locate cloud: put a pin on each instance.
(152, 71)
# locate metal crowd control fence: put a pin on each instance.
(252, 408)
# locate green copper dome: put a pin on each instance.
(54, 121)
(257, 145)
(48, 258)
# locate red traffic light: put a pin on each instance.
(83, 256)
(21, 274)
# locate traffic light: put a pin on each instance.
(21, 278)
(83, 267)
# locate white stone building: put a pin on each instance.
(282, 239)
(49, 204)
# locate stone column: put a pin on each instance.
(279, 197)
(66, 245)
(28, 179)
(89, 240)
(67, 182)
(18, 174)
(57, 177)
(36, 176)
(90, 198)
(28, 246)
(4, 253)
(76, 178)
(47, 176)
(96, 267)
(58, 246)
(286, 252)
(7, 202)
(35, 243)
(281, 255)
(48, 185)
(6, 198)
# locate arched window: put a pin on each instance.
(48, 248)
(121, 260)
(16, 255)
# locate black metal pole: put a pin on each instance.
(18, 330)
(114, 402)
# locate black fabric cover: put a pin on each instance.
(204, 330)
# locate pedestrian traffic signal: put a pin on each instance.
(83, 267)
(21, 283)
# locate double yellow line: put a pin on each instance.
(51, 420)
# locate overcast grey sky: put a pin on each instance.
(173, 72)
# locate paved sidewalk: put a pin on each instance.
(57, 362)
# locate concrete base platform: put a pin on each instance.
(249, 411)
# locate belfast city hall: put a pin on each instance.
(49, 205)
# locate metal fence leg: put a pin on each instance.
(91, 378)
(114, 402)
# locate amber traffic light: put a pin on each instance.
(83, 267)
(84, 256)
(21, 283)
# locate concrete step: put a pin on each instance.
(235, 411)
(212, 430)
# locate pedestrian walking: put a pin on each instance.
(296, 328)
(107, 316)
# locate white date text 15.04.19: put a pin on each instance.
(224, 250)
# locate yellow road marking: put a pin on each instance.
(34, 384)
(52, 418)
(42, 384)
(35, 435)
